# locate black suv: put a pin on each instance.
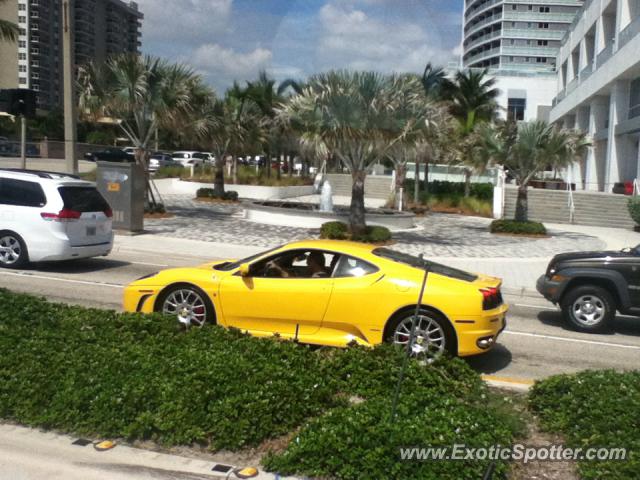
(591, 286)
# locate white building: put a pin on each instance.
(518, 41)
(599, 90)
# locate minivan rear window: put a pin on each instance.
(83, 199)
(416, 262)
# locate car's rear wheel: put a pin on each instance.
(432, 335)
(188, 304)
(13, 250)
(589, 308)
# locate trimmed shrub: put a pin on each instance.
(517, 228)
(374, 234)
(594, 409)
(634, 209)
(204, 193)
(106, 374)
(334, 231)
(441, 189)
(229, 195)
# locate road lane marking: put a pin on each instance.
(543, 307)
(68, 280)
(574, 340)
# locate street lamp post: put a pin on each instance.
(68, 69)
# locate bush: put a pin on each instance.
(229, 195)
(594, 409)
(169, 172)
(340, 231)
(517, 228)
(634, 209)
(441, 189)
(334, 231)
(105, 374)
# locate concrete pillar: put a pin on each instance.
(580, 167)
(597, 118)
(617, 150)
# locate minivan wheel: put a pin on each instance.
(589, 308)
(13, 250)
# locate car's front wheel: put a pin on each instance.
(432, 336)
(589, 308)
(188, 304)
(13, 250)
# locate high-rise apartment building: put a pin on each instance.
(102, 28)
(518, 42)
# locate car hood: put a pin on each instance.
(571, 256)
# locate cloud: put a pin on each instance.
(222, 64)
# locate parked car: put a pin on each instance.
(330, 292)
(623, 188)
(130, 151)
(110, 154)
(591, 286)
(188, 158)
(158, 160)
(51, 216)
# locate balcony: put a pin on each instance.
(485, 54)
(604, 55)
(530, 51)
(480, 40)
(630, 31)
(483, 8)
(483, 23)
(539, 17)
(534, 33)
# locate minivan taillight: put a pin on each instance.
(108, 212)
(491, 298)
(64, 215)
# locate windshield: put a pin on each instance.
(227, 266)
(417, 262)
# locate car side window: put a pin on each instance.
(21, 193)
(296, 264)
(353, 267)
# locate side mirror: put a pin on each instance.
(245, 271)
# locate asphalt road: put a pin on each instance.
(535, 344)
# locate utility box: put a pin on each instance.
(123, 185)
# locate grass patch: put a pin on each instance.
(594, 409)
(100, 373)
(517, 228)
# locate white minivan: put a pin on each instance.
(46, 216)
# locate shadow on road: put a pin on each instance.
(87, 265)
(623, 325)
(492, 361)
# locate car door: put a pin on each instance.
(629, 267)
(287, 300)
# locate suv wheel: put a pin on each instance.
(13, 251)
(589, 308)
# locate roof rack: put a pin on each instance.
(41, 173)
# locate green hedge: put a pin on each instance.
(634, 209)
(105, 374)
(340, 231)
(446, 189)
(517, 228)
(230, 195)
(594, 409)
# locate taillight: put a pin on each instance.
(64, 215)
(491, 298)
(108, 212)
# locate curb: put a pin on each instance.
(508, 383)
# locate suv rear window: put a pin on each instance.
(21, 193)
(416, 262)
(83, 199)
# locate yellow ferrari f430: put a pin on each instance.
(333, 293)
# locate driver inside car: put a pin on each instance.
(316, 265)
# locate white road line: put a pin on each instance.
(573, 340)
(543, 307)
(58, 279)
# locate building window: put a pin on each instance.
(22, 7)
(516, 108)
(22, 56)
(22, 31)
(529, 24)
(634, 99)
(530, 7)
(22, 43)
(541, 60)
(543, 25)
(22, 19)
(544, 10)
(514, 7)
(543, 43)
(22, 68)
(22, 80)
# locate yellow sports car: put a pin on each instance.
(331, 292)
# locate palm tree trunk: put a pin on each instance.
(218, 179)
(357, 213)
(467, 182)
(235, 170)
(426, 177)
(522, 205)
(416, 183)
(401, 174)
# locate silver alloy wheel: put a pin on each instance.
(589, 310)
(10, 250)
(429, 339)
(187, 305)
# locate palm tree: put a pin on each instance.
(350, 115)
(8, 30)
(526, 149)
(472, 101)
(142, 94)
